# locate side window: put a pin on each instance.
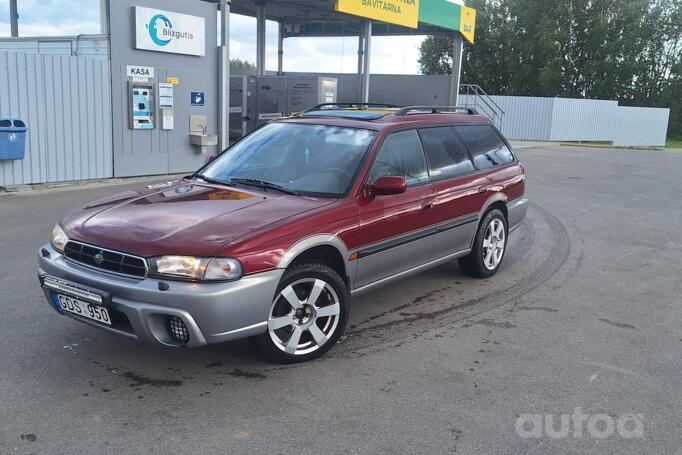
(486, 146)
(402, 155)
(447, 156)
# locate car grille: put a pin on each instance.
(106, 260)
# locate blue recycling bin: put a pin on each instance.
(12, 139)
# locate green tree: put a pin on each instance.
(626, 50)
(242, 67)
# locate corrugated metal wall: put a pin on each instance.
(526, 118)
(574, 120)
(583, 120)
(535, 112)
(66, 104)
(90, 46)
(640, 126)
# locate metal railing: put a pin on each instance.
(477, 98)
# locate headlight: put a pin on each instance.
(194, 268)
(59, 239)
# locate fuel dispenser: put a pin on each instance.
(255, 100)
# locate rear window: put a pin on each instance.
(19, 124)
(486, 146)
(445, 153)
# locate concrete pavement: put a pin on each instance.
(584, 315)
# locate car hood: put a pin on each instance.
(181, 218)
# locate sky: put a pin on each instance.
(390, 55)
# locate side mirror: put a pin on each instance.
(388, 185)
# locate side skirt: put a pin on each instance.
(410, 272)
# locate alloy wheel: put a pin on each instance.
(494, 242)
(304, 316)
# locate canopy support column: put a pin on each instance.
(280, 50)
(457, 52)
(13, 18)
(364, 89)
(224, 77)
(260, 38)
(361, 51)
(104, 17)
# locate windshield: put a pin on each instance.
(313, 160)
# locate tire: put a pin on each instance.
(318, 326)
(478, 264)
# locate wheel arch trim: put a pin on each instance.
(497, 197)
(311, 242)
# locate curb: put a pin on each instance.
(81, 184)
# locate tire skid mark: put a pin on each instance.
(523, 239)
(409, 325)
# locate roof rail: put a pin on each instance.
(436, 110)
(361, 106)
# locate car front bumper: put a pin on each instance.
(212, 312)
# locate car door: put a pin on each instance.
(396, 230)
(460, 191)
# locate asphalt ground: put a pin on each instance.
(584, 319)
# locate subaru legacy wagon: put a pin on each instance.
(272, 238)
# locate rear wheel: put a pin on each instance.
(307, 316)
(489, 246)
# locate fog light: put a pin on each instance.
(178, 330)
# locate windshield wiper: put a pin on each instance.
(210, 180)
(265, 185)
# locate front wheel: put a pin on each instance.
(307, 316)
(489, 246)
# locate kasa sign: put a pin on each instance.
(165, 31)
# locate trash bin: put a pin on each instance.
(12, 139)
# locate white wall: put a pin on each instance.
(640, 126)
(583, 120)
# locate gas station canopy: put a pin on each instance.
(316, 18)
(361, 18)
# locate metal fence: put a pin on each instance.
(582, 120)
(526, 118)
(90, 46)
(66, 104)
(62, 90)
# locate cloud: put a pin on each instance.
(52, 17)
(66, 28)
(390, 55)
(72, 17)
(54, 12)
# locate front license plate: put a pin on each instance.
(87, 310)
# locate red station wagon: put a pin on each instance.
(272, 238)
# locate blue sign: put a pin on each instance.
(198, 98)
(154, 31)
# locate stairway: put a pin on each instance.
(473, 96)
